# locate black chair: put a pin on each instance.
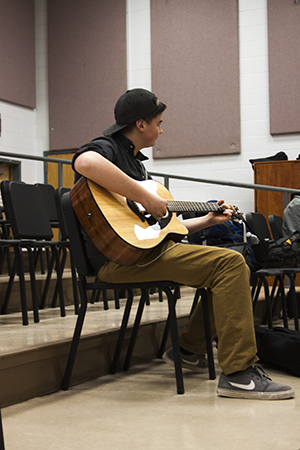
(259, 226)
(49, 196)
(275, 223)
(48, 193)
(26, 213)
(64, 237)
(16, 268)
(259, 280)
(84, 272)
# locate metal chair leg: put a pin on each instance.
(75, 341)
(114, 364)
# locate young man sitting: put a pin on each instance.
(116, 162)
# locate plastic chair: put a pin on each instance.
(259, 226)
(84, 272)
(26, 213)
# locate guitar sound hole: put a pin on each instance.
(144, 216)
(134, 208)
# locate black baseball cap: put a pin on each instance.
(133, 105)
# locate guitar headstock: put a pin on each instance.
(237, 214)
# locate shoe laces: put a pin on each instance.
(260, 372)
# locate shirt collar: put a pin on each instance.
(129, 146)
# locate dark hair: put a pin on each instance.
(160, 108)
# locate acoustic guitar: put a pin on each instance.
(121, 229)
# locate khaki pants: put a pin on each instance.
(225, 274)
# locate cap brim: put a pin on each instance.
(113, 129)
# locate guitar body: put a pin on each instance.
(115, 229)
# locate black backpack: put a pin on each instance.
(279, 346)
(285, 252)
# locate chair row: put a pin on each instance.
(30, 220)
(32, 212)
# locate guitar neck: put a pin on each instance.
(183, 206)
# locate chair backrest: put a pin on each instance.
(276, 226)
(76, 238)
(59, 192)
(25, 210)
(48, 192)
(258, 224)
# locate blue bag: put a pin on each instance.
(237, 231)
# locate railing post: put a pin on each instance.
(286, 199)
(167, 182)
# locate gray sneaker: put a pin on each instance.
(252, 383)
(197, 363)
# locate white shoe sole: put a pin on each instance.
(282, 395)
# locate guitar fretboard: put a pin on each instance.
(178, 206)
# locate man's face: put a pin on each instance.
(152, 130)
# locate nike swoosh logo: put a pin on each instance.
(248, 387)
(191, 363)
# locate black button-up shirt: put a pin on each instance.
(120, 151)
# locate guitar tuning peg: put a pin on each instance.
(237, 213)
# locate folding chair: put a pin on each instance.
(84, 272)
(259, 226)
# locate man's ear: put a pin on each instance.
(140, 124)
